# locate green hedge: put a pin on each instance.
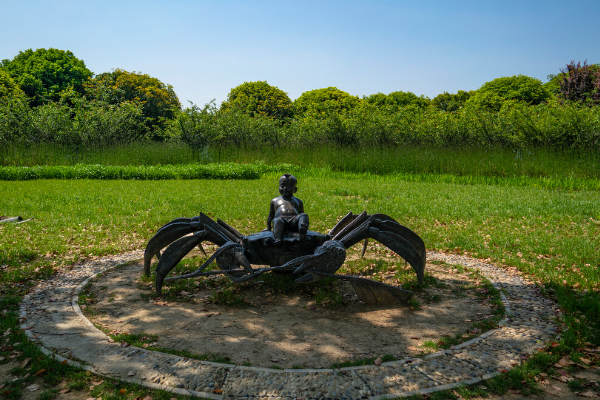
(142, 172)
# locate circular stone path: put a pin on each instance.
(52, 318)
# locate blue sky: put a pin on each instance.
(205, 48)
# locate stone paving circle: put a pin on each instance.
(51, 317)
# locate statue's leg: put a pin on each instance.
(302, 225)
(278, 225)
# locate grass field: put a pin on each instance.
(549, 232)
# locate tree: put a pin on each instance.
(398, 99)
(451, 101)
(259, 99)
(492, 95)
(42, 74)
(159, 101)
(8, 87)
(580, 82)
(324, 102)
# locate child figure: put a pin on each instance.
(287, 211)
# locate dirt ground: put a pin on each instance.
(286, 330)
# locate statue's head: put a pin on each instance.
(287, 185)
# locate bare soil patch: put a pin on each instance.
(269, 329)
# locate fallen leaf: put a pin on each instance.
(589, 393)
(217, 391)
(585, 360)
(25, 362)
(377, 361)
(415, 338)
(412, 348)
(63, 362)
(131, 373)
(67, 390)
(97, 383)
(122, 391)
(556, 388)
(33, 388)
(40, 372)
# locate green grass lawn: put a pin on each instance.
(552, 235)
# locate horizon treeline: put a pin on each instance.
(49, 96)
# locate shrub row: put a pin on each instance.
(157, 172)
(516, 125)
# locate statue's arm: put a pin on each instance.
(271, 214)
(300, 206)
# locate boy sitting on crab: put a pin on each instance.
(286, 211)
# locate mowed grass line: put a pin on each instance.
(551, 235)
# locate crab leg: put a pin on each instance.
(342, 224)
(199, 272)
(164, 236)
(393, 241)
(352, 225)
(173, 254)
(389, 224)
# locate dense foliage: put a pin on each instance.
(580, 82)
(395, 100)
(8, 86)
(42, 74)
(259, 99)
(121, 107)
(496, 93)
(320, 103)
(451, 101)
(158, 101)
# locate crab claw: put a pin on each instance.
(231, 259)
(167, 234)
(327, 258)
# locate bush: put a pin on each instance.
(42, 74)
(322, 103)
(259, 99)
(492, 95)
(451, 102)
(580, 83)
(141, 172)
(395, 100)
(8, 86)
(158, 101)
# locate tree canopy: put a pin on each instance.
(259, 99)
(492, 95)
(42, 74)
(580, 82)
(8, 86)
(321, 102)
(397, 99)
(451, 101)
(159, 101)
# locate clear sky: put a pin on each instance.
(205, 48)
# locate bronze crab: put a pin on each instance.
(311, 256)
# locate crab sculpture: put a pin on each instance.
(309, 255)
